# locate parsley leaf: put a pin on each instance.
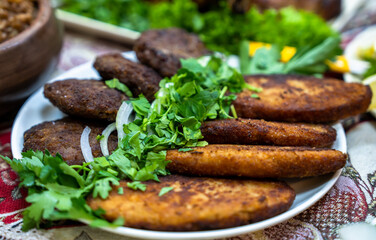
(99, 137)
(137, 185)
(115, 83)
(165, 190)
(185, 149)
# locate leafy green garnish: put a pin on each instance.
(185, 149)
(196, 93)
(137, 185)
(165, 190)
(55, 190)
(306, 61)
(115, 83)
(254, 95)
(99, 137)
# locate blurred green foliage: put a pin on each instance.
(220, 29)
(130, 14)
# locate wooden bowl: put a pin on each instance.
(29, 58)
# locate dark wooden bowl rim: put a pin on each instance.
(44, 12)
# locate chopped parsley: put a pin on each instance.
(185, 149)
(196, 93)
(254, 95)
(137, 185)
(115, 83)
(99, 137)
(165, 190)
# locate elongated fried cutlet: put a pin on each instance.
(91, 99)
(292, 98)
(255, 161)
(260, 132)
(63, 137)
(162, 49)
(139, 78)
(196, 203)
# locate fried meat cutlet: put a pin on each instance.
(292, 98)
(63, 137)
(260, 132)
(196, 203)
(90, 99)
(255, 161)
(138, 78)
(162, 49)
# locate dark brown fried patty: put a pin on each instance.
(138, 78)
(63, 137)
(162, 49)
(260, 132)
(255, 161)
(85, 98)
(292, 98)
(196, 203)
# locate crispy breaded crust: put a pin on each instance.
(85, 98)
(162, 49)
(293, 98)
(260, 132)
(138, 78)
(63, 136)
(196, 203)
(256, 161)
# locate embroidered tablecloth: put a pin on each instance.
(351, 200)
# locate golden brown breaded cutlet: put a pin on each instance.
(138, 78)
(91, 99)
(63, 137)
(293, 98)
(196, 203)
(162, 49)
(255, 161)
(260, 132)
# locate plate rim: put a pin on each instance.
(206, 234)
(354, 43)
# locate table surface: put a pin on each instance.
(351, 200)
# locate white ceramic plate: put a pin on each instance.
(365, 39)
(38, 109)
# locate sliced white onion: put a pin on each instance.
(123, 117)
(104, 141)
(85, 145)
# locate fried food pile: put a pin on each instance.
(284, 133)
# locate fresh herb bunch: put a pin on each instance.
(309, 61)
(199, 91)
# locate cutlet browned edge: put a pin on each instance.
(260, 132)
(139, 78)
(310, 115)
(279, 197)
